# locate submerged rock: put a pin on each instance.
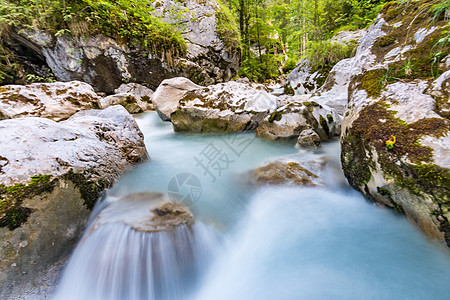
(56, 101)
(148, 212)
(308, 138)
(223, 108)
(169, 93)
(51, 175)
(287, 122)
(289, 170)
(392, 92)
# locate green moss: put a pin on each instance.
(372, 82)
(420, 175)
(275, 116)
(90, 191)
(15, 217)
(330, 118)
(288, 90)
(383, 191)
(311, 104)
(146, 99)
(385, 40)
(324, 124)
(11, 198)
(355, 164)
(392, 13)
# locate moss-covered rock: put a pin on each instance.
(51, 176)
(397, 90)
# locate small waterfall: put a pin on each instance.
(275, 242)
(116, 261)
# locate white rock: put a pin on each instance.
(409, 101)
(289, 121)
(101, 144)
(334, 92)
(56, 101)
(224, 107)
(169, 93)
(142, 93)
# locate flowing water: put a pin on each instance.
(249, 243)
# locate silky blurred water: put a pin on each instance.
(266, 243)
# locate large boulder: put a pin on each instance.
(223, 108)
(51, 175)
(105, 62)
(288, 121)
(169, 93)
(394, 91)
(56, 101)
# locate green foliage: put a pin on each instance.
(8, 67)
(227, 28)
(326, 54)
(441, 10)
(37, 78)
(289, 65)
(261, 68)
(130, 21)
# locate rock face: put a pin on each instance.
(51, 174)
(334, 92)
(223, 108)
(302, 81)
(393, 92)
(349, 36)
(169, 93)
(289, 170)
(211, 57)
(287, 122)
(151, 213)
(56, 101)
(105, 63)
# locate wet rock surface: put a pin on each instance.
(151, 212)
(289, 170)
(287, 122)
(393, 91)
(223, 108)
(51, 176)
